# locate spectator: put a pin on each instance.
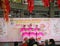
(52, 42)
(31, 41)
(25, 43)
(35, 44)
(46, 42)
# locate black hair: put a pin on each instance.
(52, 41)
(31, 41)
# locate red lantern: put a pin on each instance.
(46, 3)
(6, 17)
(6, 8)
(30, 5)
(58, 2)
(7, 5)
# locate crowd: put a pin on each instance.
(33, 42)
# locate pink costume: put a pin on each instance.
(36, 29)
(22, 29)
(30, 29)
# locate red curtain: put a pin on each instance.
(46, 3)
(58, 2)
(30, 5)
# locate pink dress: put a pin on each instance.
(33, 35)
(25, 35)
(36, 29)
(40, 34)
(29, 29)
(22, 29)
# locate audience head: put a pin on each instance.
(46, 41)
(35, 44)
(51, 41)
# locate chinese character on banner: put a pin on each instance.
(58, 2)
(6, 8)
(30, 5)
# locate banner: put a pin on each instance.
(3, 28)
(20, 29)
